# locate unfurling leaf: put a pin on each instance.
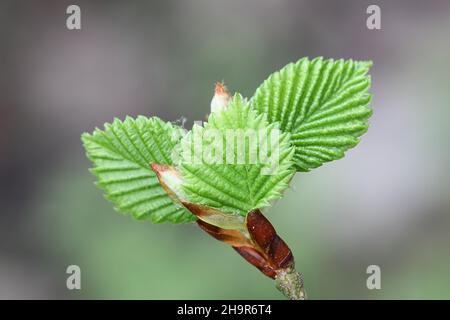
(122, 154)
(236, 162)
(322, 103)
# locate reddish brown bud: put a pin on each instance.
(234, 238)
(260, 229)
(256, 259)
(265, 236)
(280, 254)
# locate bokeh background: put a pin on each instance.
(386, 203)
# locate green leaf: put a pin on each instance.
(122, 153)
(245, 175)
(322, 103)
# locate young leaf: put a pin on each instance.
(227, 164)
(122, 154)
(322, 103)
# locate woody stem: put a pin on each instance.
(290, 283)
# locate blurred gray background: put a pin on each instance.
(386, 203)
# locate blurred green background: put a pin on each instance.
(386, 203)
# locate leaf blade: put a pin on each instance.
(235, 187)
(122, 153)
(322, 103)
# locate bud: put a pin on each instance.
(221, 97)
